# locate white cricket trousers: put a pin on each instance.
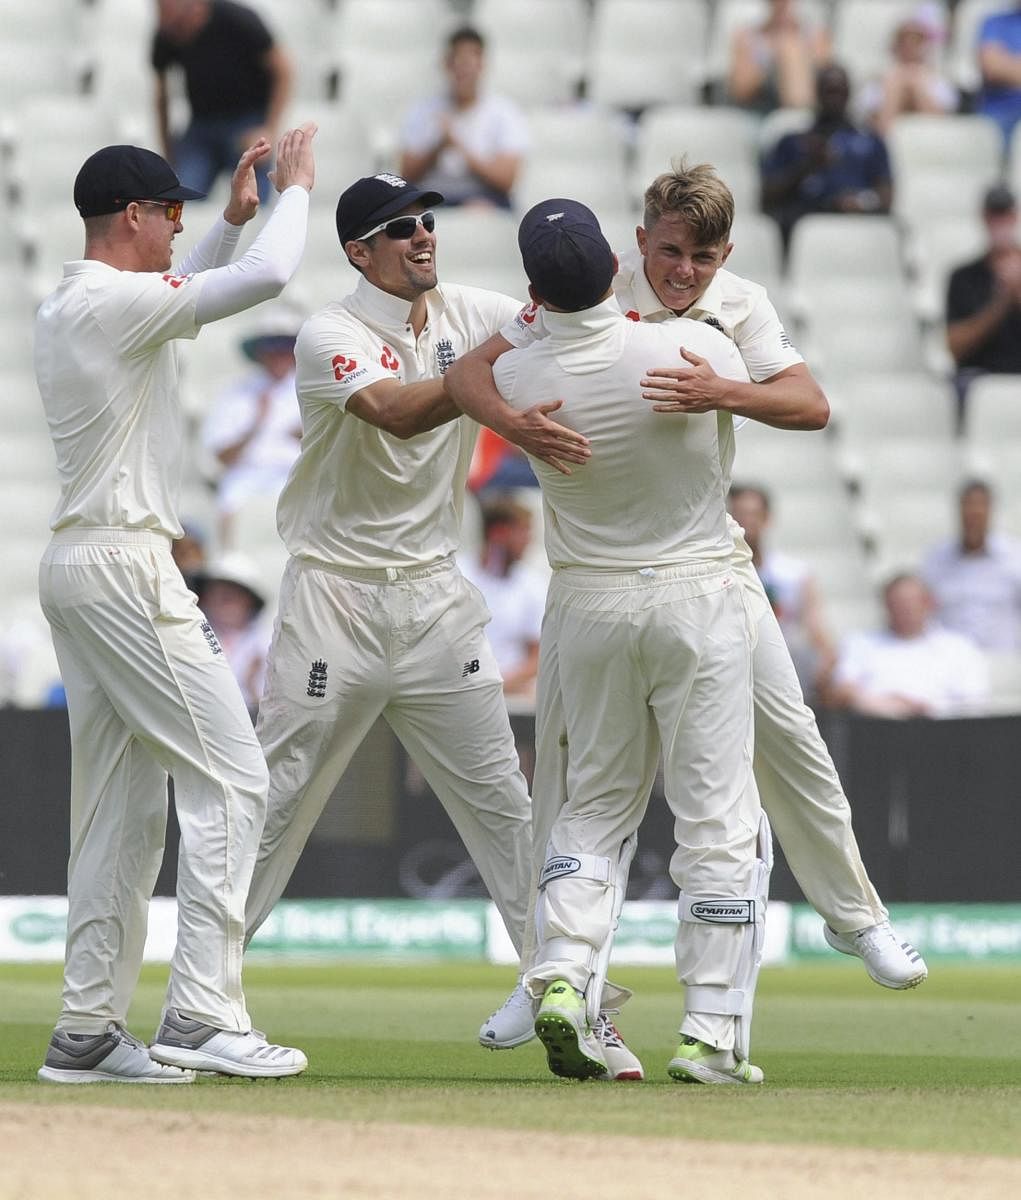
(798, 784)
(352, 645)
(650, 661)
(149, 693)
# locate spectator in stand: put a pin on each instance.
(831, 167)
(254, 428)
(791, 590)
(912, 668)
(999, 60)
(238, 81)
(465, 143)
(913, 82)
(773, 64)
(976, 577)
(984, 299)
(231, 597)
(514, 593)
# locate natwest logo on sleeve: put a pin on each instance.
(175, 281)
(343, 367)
(529, 313)
(632, 314)
(388, 360)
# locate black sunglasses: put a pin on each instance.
(402, 228)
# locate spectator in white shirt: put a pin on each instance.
(254, 427)
(913, 668)
(514, 592)
(465, 143)
(976, 577)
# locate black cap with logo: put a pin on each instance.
(565, 256)
(371, 200)
(114, 176)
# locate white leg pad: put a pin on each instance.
(737, 1000)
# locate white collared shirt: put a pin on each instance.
(979, 595)
(107, 370)
(654, 491)
(358, 496)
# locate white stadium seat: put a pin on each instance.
(863, 32)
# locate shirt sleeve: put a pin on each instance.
(505, 375)
(525, 327)
(215, 249)
(763, 341)
(144, 310)
(335, 358)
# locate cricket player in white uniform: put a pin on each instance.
(677, 270)
(648, 637)
(149, 692)
(375, 617)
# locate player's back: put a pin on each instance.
(653, 490)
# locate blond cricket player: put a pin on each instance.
(678, 269)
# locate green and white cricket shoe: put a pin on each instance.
(512, 1024)
(113, 1056)
(696, 1062)
(572, 1049)
(892, 963)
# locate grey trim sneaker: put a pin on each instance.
(512, 1024)
(184, 1042)
(113, 1056)
(891, 962)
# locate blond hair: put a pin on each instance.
(697, 195)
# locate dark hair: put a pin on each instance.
(974, 485)
(503, 510)
(465, 33)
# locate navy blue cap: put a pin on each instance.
(114, 176)
(566, 258)
(371, 200)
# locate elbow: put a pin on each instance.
(819, 416)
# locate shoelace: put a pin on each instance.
(606, 1032)
(516, 999)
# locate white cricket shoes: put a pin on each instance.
(113, 1056)
(621, 1063)
(184, 1042)
(512, 1024)
(888, 960)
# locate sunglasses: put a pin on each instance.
(402, 228)
(172, 208)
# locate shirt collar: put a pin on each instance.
(568, 326)
(383, 308)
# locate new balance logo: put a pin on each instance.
(317, 680)
(211, 639)
(469, 668)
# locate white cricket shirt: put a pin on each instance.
(653, 492)
(358, 496)
(107, 373)
(735, 306)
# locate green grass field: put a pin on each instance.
(846, 1062)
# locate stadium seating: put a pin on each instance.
(962, 63)
(863, 33)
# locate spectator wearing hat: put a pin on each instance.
(983, 306)
(254, 427)
(231, 594)
(466, 143)
(238, 81)
(999, 60)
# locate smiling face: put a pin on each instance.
(404, 267)
(679, 269)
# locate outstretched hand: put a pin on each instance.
(295, 161)
(244, 192)
(693, 389)
(553, 444)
